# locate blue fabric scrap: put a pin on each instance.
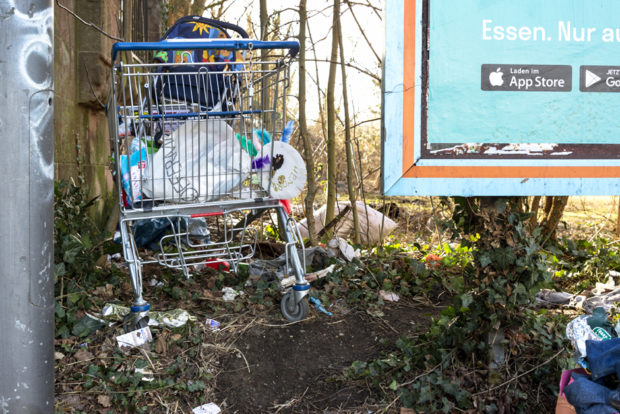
(603, 357)
(588, 397)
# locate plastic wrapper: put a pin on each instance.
(578, 331)
(173, 318)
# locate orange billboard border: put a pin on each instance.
(411, 170)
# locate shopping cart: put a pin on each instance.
(196, 143)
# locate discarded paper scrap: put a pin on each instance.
(135, 338)
(389, 296)
(340, 245)
(230, 294)
(147, 374)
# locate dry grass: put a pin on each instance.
(584, 217)
(591, 217)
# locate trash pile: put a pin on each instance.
(594, 388)
(603, 295)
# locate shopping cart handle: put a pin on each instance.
(217, 44)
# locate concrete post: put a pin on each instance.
(26, 207)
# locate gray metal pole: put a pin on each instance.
(26, 207)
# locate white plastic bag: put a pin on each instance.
(201, 161)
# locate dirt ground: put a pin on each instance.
(298, 368)
(257, 362)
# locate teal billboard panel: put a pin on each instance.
(523, 72)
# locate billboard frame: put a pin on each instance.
(406, 171)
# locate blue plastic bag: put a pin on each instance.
(132, 174)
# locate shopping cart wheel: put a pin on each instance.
(293, 311)
(131, 323)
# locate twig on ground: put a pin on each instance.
(290, 403)
(285, 324)
(245, 328)
(148, 359)
(385, 410)
(230, 349)
(521, 375)
(404, 384)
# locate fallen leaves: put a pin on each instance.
(104, 400)
(83, 355)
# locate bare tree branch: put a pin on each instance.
(347, 132)
(332, 177)
(362, 31)
(89, 24)
(357, 68)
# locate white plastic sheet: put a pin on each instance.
(374, 226)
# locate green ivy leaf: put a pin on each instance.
(503, 257)
(466, 300)
(484, 259)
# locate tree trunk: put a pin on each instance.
(319, 94)
(197, 8)
(176, 10)
(303, 125)
(618, 220)
(548, 205)
(553, 216)
(348, 144)
(263, 19)
(534, 209)
(332, 178)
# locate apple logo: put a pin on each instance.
(496, 78)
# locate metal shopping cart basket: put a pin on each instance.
(197, 138)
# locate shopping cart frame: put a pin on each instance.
(294, 305)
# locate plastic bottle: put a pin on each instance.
(600, 325)
(135, 145)
(138, 143)
(287, 132)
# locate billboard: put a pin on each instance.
(501, 98)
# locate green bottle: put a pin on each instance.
(600, 325)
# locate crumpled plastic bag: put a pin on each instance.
(578, 331)
(201, 161)
(172, 318)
